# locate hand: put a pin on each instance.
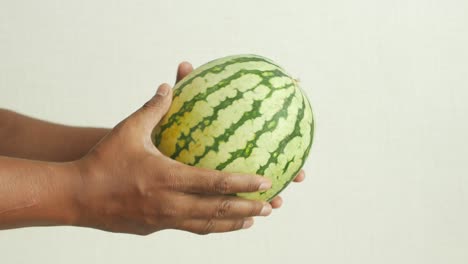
(124, 184)
(184, 69)
(128, 186)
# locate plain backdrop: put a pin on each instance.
(387, 178)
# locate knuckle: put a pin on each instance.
(173, 180)
(237, 225)
(168, 212)
(224, 208)
(252, 185)
(168, 209)
(209, 227)
(255, 208)
(144, 190)
(172, 172)
(221, 185)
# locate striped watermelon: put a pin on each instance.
(241, 114)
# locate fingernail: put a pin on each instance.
(163, 90)
(247, 223)
(266, 210)
(264, 186)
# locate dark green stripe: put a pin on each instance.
(217, 69)
(295, 133)
(312, 127)
(287, 164)
(250, 115)
(187, 106)
(207, 121)
(269, 125)
(306, 153)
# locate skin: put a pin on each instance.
(115, 179)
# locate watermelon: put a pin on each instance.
(241, 114)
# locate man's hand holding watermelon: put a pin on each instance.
(123, 184)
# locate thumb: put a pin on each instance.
(149, 115)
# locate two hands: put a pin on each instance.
(124, 184)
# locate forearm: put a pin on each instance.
(36, 193)
(26, 137)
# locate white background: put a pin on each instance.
(387, 179)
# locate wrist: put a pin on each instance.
(82, 193)
(36, 193)
(64, 209)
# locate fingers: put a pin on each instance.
(183, 69)
(152, 111)
(199, 180)
(222, 207)
(203, 227)
(276, 202)
(300, 176)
